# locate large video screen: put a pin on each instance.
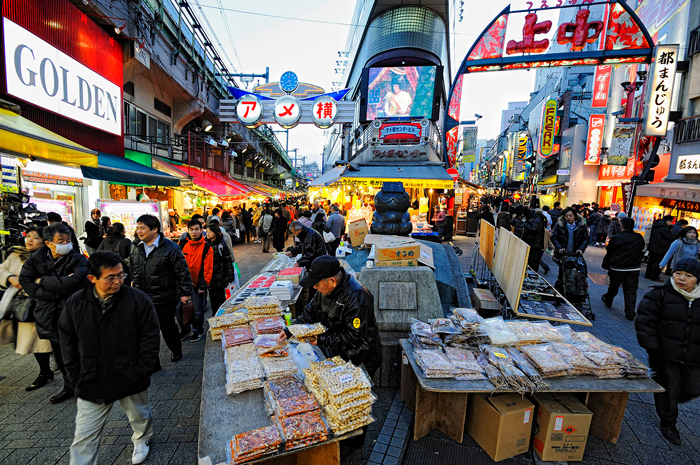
(400, 91)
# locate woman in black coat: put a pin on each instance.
(117, 242)
(668, 327)
(278, 230)
(223, 273)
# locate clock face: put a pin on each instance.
(289, 82)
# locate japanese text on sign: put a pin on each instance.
(688, 164)
(661, 90)
(601, 84)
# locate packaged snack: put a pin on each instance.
(303, 430)
(443, 326)
(228, 320)
(268, 324)
(254, 444)
(236, 336)
(498, 332)
(268, 345)
(547, 360)
(468, 316)
(304, 332)
(435, 363)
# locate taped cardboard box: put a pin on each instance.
(485, 303)
(357, 230)
(500, 424)
(562, 424)
(387, 252)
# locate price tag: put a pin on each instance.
(336, 369)
(238, 336)
(500, 355)
(345, 378)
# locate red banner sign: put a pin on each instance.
(601, 84)
(617, 172)
(596, 124)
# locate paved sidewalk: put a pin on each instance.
(33, 431)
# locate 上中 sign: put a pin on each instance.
(601, 84)
(659, 102)
(549, 116)
(324, 111)
(249, 110)
(287, 112)
(595, 139)
(44, 76)
(688, 164)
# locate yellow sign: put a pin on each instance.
(356, 323)
(407, 183)
(549, 117)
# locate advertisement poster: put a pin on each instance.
(621, 147)
(469, 135)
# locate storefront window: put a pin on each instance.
(163, 132)
(152, 127)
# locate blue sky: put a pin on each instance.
(310, 49)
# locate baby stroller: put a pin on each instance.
(572, 282)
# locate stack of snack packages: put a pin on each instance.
(254, 444)
(230, 320)
(345, 392)
(296, 412)
(243, 369)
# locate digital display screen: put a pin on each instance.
(400, 91)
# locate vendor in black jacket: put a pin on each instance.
(110, 340)
(623, 261)
(311, 244)
(346, 309)
(50, 276)
(668, 327)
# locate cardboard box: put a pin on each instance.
(485, 302)
(396, 262)
(500, 424)
(357, 230)
(389, 252)
(562, 427)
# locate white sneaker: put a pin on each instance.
(141, 451)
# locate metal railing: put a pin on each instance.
(687, 130)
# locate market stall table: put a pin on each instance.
(223, 416)
(442, 403)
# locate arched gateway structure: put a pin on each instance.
(550, 33)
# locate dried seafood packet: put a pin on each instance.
(546, 360)
(498, 332)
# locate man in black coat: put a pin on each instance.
(346, 309)
(54, 218)
(623, 261)
(110, 340)
(311, 244)
(533, 235)
(247, 223)
(51, 275)
(659, 241)
(556, 212)
(160, 270)
(593, 220)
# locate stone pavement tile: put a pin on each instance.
(163, 408)
(186, 408)
(648, 455)
(677, 456)
(20, 456)
(52, 442)
(48, 455)
(187, 391)
(108, 439)
(648, 434)
(194, 421)
(4, 453)
(185, 454)
(626, 434)
(182, 437)
(644, 413)
(595, 447)
(21, 443)
(621, 452)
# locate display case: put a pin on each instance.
(128, 211)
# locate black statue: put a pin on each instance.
(391, 210)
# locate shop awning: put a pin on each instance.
(326, 179)
(206, 181)
(124, 171)
(23, 138)
(254, 188)
(670, 190)
(412, 176)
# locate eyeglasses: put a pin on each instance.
(111, 279)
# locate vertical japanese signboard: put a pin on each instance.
(595, 139)
(661, 90)
(622, 144)
(601, 84)
(549, 116)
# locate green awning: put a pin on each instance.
(121, 170)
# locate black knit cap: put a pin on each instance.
(689, 265)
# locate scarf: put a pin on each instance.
(690, 241)
(21, 252)
(690, 296)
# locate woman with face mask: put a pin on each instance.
(24, 335)
(51, 275)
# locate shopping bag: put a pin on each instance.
(328, 237)
(187, 312)
(238, 271)
(232, 288)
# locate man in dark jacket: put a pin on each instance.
(247, 223)
(668, 325)
(603, 225)
(593, 220)
(160, 270)
(533, 235)
(51, 275)
(311, 245)
(54, 218)
(680, 224)
(110, 340)
(660, 240)
(623, 261)
(555, 212)
(346, 309)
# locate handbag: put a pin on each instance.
(328, 236)
(187, 312)
(17, 306)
